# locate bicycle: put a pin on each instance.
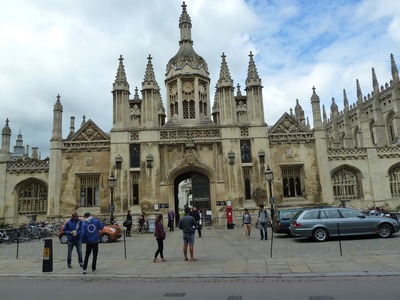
(136, 227)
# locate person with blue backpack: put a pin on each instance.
(91, 237)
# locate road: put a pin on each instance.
(345, 288)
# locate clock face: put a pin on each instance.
(173, 89)
(187, 87)
(202, 89)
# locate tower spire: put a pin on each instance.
(395, 72)
(252, 75)
(345, 101)
(149, 81)
(375, 83)
(185, 26)
(121, 83)
(359, 94)
(5, 139)
(224, 75)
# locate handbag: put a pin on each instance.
(127, 223)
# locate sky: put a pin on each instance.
(71, 48)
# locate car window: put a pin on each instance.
(297, 214)
(332, 213)
(349, 213)
(288, 215)
(311, 215)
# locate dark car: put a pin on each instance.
(282, 218)
(322, 223)
(108, 234)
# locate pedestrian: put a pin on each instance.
(188, 224)
(263, 221)
(141, 222)
(73, 229)
(91, 236)
(197, 216)
(159, 233)
(246, 220)
(128, 223)
(171, 218)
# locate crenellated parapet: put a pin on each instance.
(347, 154)
(28, 166)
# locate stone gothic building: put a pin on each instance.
(222, 146)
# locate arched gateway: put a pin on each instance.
(200, 191)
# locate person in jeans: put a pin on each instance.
(129, 223)
(263, 220)
(188, 225)
(246, 220)
(91, 236)
(73, 230)
(159, 233)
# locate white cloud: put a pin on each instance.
(71, 48)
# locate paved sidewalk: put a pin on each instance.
(220, 254)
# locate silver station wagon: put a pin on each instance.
(324, 222)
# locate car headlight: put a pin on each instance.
(113, 229)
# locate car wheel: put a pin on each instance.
(385, 231)
(64, 238)
(105, 238)
(320, 234)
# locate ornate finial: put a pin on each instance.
(291, 111)
(184, 6)
(223, 56)
(251, 55)
(121, 59)
(313, 88)
(149, 57)
(58, 97)
(83, 119)
(7, 122)
(238, 91)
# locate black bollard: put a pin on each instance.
(48, 256)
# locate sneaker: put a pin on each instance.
(69, 266)
(261, 239)
(83, 272)
(81, 265)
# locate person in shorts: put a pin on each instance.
(246, 220)
(188, 225)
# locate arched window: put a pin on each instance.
(32, 197)
(291, 179)
(390, 129)
(371, 130)
(394, 181)
(355, 137)
(345, 184)
(185, 106)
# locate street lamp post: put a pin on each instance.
(111, 186)
(269, 176)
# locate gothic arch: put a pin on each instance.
(184, 172)
(31, 196)
(346, 182)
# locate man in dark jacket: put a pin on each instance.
(197, 216)
(73, 229)
(91, 236)
(188, 224)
